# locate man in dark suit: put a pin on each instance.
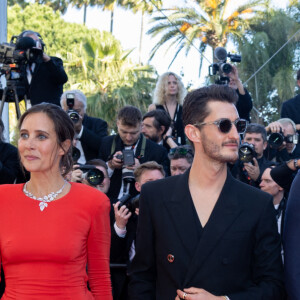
(291, 241)
(89, 130)
(129, 137)
(44, 80)
(203, 234)
(291, 108)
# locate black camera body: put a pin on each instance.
(247, 152)
(276, 139)
(222, 67)
(73, 114)
(130, 202)
(14, 57)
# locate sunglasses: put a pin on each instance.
(225, 125)
(181, 151)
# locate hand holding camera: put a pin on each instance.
(73, 114)
(252, 169)
(117, 161)
(122, 215)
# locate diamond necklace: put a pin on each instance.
(46, 199)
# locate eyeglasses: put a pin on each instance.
(225, 125)
(180, 151)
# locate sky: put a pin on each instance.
(127, 29)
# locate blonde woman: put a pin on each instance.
(168, 95)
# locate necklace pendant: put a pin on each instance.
(43, 205)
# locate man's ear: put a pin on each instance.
(162, 129)
(265, 145)
(138, 186)
(65, 147)
(192, 133)
(298, 82)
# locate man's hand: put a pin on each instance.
(115, 163)
(196, 294)
(76, 174)
(136, 164)
(252, 170)
(122, 215)
(46, 58)
(235, 81)
(274, 127)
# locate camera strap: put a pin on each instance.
(142, 152)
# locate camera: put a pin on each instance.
(127, 158)
(247, 152)
(93, 175)
(73, 114)
(276, 139)
(130, 202)
(222, 67)
(75, 153)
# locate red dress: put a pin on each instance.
(51, 254)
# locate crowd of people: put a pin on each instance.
(188, 201)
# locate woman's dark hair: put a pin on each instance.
(63, 127)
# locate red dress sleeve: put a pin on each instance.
(98, 247)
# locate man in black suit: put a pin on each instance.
(124, 230)
(129, 137)
(44, 80)
(203, 234)
(89, 130)
(291, 108)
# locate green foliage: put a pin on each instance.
(94, 61)
(275, 83)
(109, 77)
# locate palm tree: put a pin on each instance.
(104, 72)
(208, 23)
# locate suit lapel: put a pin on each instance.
(179, 208)
(223, 215)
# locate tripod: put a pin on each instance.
(10, 95)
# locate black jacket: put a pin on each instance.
(152, 152)
(47, 82)
(238, 254)
(94, 129)
(291, 109)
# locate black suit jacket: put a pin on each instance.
(152, 152)
(238, 254)
(291, 109)
(94, 129)
(9, 163)
(47, 82)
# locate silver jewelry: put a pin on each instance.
(46, 199)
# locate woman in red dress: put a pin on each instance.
(54, 235)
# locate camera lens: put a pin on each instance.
(74, 116)
(246, 152)
(75, 154)
(275, 140)
(94, 177)
(226, 68)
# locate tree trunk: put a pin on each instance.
(84, 13)
(112, 20)
(141, 37)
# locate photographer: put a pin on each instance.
(283, 141)
(244, 103)
(45, 79)
(124, 229)
(125, 151)
(250, 169)
(9, 160)
(97, 180)
(89, 130)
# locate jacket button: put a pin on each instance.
(170, 258)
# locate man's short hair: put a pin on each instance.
(256, 128)
(78, 96)
(161, 118)
(285, 121)
(298, 75)
(147, 166)
(130, 116)
(195, 104)
(97, 163)
(185, 151)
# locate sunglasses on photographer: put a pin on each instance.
(225, 125)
